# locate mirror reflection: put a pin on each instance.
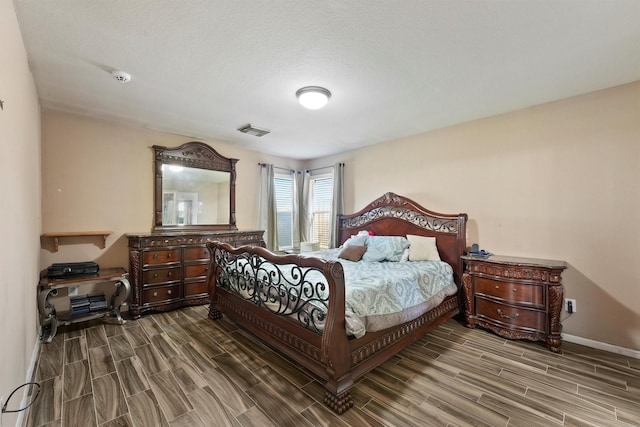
(192, 196)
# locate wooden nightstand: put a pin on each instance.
(517, 298)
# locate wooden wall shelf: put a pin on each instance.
(57, 236)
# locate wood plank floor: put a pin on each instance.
(181, 369)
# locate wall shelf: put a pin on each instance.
(57, 236)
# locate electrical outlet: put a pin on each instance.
(73, 291)
(571, 301)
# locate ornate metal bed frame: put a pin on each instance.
(280, 299)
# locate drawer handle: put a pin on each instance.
(515, 290)
(501, 314)
(169, 255)
(497, 287)
(169, 274)
(155, 275)
(169, 292)
(155, 256)
(155, 294)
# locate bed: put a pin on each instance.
(298, 304)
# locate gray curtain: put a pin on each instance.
(301, 211)
(337, 206)
(267, 213)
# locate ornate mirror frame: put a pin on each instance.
(193, 155)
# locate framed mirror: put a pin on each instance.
(194, 189)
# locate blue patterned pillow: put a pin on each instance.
(385, 248)
(356, 241)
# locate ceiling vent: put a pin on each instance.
(252, 130)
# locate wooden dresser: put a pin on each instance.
(168, 270)
(515, 297)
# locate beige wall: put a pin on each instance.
(557, 181)
(20, 214)
(98, 175)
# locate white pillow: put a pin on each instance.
(422, 248)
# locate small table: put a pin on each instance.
(50, 318)
(515, 297)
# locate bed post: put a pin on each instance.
(214, 312)
(335, 344)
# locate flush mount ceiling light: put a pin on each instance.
(313, 97)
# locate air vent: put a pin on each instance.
(252, 130)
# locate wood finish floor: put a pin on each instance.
(181, 369)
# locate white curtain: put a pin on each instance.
(301, 208)
(267, 213)
(337, 205)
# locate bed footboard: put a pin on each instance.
(295, 304)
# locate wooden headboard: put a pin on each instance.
(394, 215)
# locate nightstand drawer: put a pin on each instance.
(161, 275)
(511, 292)
(161, 293)
(515, 316)
(161, 256)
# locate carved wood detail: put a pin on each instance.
(498, 309)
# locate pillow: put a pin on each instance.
(385, 248)
(352, 252)
(405, 255)
(356, 241)
(422, 248)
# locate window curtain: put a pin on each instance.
(337, 205)
(267, 213)
(301, 208)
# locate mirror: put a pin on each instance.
(194, 188)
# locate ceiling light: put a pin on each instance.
(313, 97)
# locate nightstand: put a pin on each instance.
(517, 298)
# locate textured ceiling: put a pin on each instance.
(395, 68)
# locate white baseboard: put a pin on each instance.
(602, 346)
(25, 396)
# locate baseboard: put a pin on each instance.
(602, 346)
(30, 375)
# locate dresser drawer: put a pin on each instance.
(511, 292)
(515, 316)
(196, 270)
(161, 294)
(196, 289)
(199, 253)
(161, 256)
(161, 275)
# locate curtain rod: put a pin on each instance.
(293, 170)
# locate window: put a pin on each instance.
(321, 201)
(283, 185)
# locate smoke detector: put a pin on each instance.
(121, 76)
(252, 130)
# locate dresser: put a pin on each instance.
(517, 298)
(168, 270)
